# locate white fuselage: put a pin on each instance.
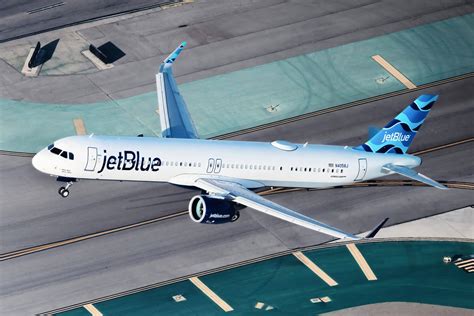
(181, 161)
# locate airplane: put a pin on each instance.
(227, 172)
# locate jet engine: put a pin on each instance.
(212, 210)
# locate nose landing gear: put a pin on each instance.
(64, 191)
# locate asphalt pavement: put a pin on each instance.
(177, 247)
(96, 206)
(32, 213)
(20, 18)
(222, 36)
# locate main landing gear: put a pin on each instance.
(64, 191)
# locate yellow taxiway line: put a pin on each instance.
(92, 310)
(364, 266)
(393, 71)
(213, 296)
(79, 126)
(313, 267)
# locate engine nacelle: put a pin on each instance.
(211, 210)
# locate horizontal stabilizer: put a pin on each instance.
(412, 174)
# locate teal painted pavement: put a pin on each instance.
(238, 100)
(410, 271)
(156, 302)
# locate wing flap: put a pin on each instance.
(241, 195)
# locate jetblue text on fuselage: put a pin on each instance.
(130, 160)
(219, 216)
(397, 136)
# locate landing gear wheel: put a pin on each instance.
(63, 192)
(235, 217)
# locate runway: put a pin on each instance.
(110, 205)
(33, 214)
(111, 263)
(25, 18)
(274, 190)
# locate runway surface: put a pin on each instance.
(162, 251)
(110, 204)
(22, 18)
(222, 36)
(32, 213)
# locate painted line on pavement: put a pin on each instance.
(463, 263)
(393, 71)
(93, 310)
(79, 126)
(359, 258)
(313, 267)
(213, 296)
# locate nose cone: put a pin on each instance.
(40, 161)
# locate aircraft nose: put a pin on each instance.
(39, 160)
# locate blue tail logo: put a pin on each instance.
(398, 134)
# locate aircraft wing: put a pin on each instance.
(174, 116)
(237, 193)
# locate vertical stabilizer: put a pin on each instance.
(398, 134)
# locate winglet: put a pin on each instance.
(168, 62)
(374, 231)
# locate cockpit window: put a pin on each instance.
(60, 152)
(55, 150)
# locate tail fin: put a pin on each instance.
(398, 134)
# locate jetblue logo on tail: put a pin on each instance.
(395, 137)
